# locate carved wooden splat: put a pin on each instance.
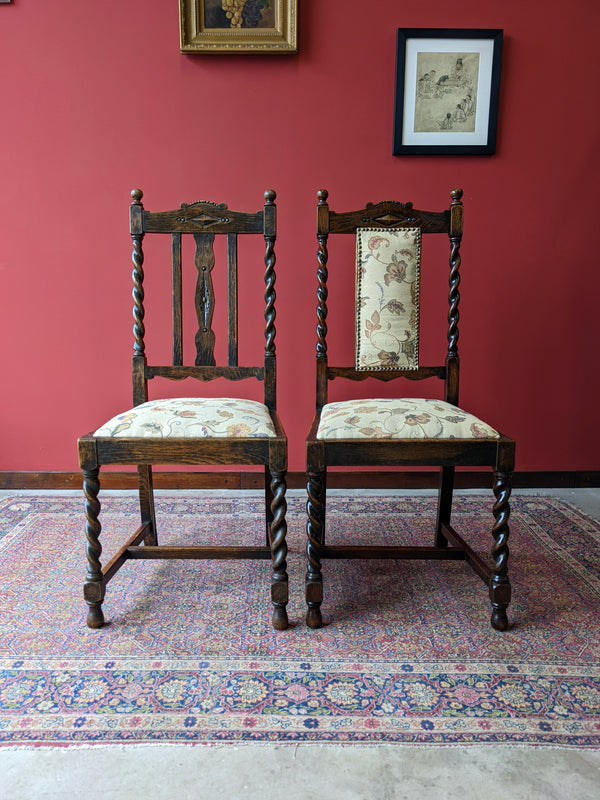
(204, 261)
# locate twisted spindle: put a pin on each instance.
(137, 275)
(91, 488)
(270, 296)
(453, 296)
(499, 583)
(500, 530)
(454, 277)
(136, 215)
(93, 589)
(279, 578)
(315, 538)
(322, 294)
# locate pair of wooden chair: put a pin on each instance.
(375, 432)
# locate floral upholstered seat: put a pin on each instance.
(186, 417)
(394, 418)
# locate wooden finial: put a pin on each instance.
(136, 196)
(456, 195)
(322, 194)
(270, 196)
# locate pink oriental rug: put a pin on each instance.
(407, 654)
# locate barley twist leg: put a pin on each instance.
(93, 589)
(499, 585)
(279, 578)
(315, 537)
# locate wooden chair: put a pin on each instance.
(399, 432)
(193, 430)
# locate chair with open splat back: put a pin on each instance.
(193, 430)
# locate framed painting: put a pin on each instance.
(238, 26)
(447, 87)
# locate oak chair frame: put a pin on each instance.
(203, 221)
(445, 454)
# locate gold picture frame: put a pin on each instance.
(238, 26)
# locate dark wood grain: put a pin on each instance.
(338, 479)
(177, 288)
(211, 373)
(205, 299)
(232, 299)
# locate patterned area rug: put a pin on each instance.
(407, 654)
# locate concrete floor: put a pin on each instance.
(353, 772)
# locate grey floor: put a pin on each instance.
(290, 772)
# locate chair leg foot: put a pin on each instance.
(500, 592)
(314, 619)
(280, 618)
(499, 619)
(95, 616)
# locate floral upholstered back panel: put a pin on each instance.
(387, 298)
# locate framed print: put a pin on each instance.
(447, 86)
(238, 26)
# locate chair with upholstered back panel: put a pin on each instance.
(396, 431)
(194, 430)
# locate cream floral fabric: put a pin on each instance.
(387, 298)
(393, 418)
(187, 417)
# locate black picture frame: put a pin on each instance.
(451, 109)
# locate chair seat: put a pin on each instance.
(192, 417)
(399, 418)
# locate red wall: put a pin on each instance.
(97, 100)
